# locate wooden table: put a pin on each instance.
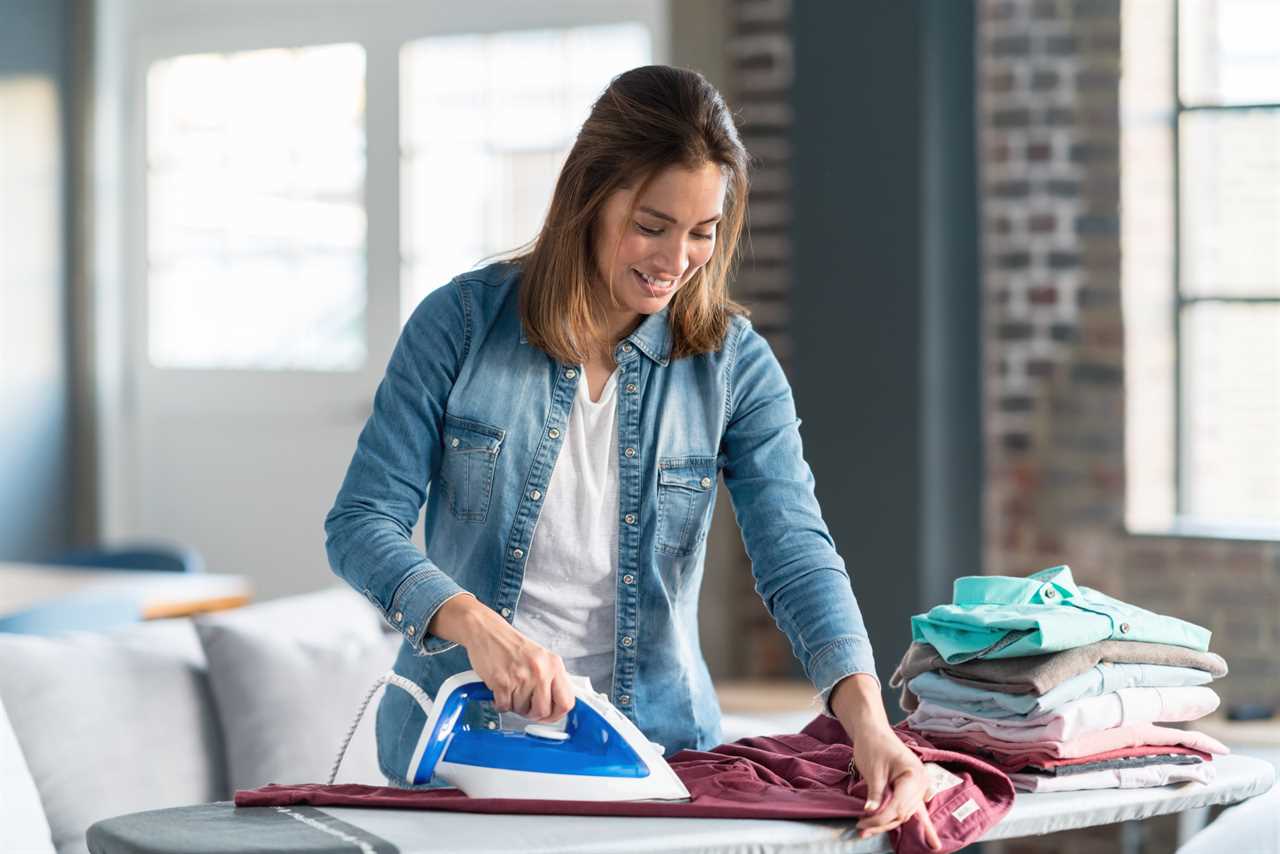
(159, 594)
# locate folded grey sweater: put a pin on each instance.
(1037, 674)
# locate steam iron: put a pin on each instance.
(600, 755)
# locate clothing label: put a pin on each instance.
(965, 810)
(940, 779)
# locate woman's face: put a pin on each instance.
(666, 237)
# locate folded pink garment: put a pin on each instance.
(1088, 714)
(1116, 778)
(1011, 755)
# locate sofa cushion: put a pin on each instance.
(23, 826)
(113, 723)
(288, 677)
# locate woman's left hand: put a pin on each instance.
(897, 786)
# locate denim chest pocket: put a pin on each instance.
(470, 460)
(685, 487)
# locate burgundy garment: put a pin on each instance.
(803, 775)
(1029, 761)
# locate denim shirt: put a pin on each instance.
(469, 419)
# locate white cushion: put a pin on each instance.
(112, 723)
(23, 826)
(288, 676)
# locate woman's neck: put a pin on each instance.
(619, 327)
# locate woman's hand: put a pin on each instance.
(525, 677)
(897, 786)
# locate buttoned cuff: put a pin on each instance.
(416, 601)
(838, 659)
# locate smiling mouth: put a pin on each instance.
(650, 284)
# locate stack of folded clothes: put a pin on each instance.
(1060, 686)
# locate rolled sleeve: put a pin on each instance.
(840, 658)
(798, 573)
(417, 600)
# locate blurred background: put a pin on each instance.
(1020, 259)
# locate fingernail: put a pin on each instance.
(873, 804)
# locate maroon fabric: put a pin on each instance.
(1010, 764)
(803, 775)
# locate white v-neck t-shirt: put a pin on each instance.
(568, 598)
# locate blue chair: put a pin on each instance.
(73, 613)
(153, 557)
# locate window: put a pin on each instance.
(1204, 357)
(255, 205)
(486, 122)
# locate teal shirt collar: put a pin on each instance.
(1046, 587)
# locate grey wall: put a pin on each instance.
(36, 513)
(885, 301)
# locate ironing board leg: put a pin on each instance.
(1191, 822)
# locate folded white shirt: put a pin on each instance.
(1115, 778)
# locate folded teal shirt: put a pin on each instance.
(997, 616)
(1099, 679)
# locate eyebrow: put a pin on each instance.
(671, 219)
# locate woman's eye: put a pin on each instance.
(654, 232)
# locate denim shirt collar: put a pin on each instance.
(652, 337)
(1047, 587)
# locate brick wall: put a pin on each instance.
(1055, 343)
(761, 71)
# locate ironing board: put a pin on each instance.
(221, 828)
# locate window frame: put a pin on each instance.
(1182, 302)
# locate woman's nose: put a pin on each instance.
(674, 259)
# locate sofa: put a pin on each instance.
(182, 711)
(185, 711)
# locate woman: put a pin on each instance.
(570, 410)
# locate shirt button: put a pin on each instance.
(628, 640)
(626, 348)
(706, 481)
(630, 452)
(1048, 594)
(570, 374)
(628, 579)
(535, 495)
(517, 553)
(630, 518)
(453, 443)
(492, 724)
(399, 616)
(1124, 628)
(553, 433)
(631, 388)
(412, 631)
(506, 612)
(623, 699)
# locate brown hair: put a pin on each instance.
(648, 119)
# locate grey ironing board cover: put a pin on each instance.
(221, 828)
